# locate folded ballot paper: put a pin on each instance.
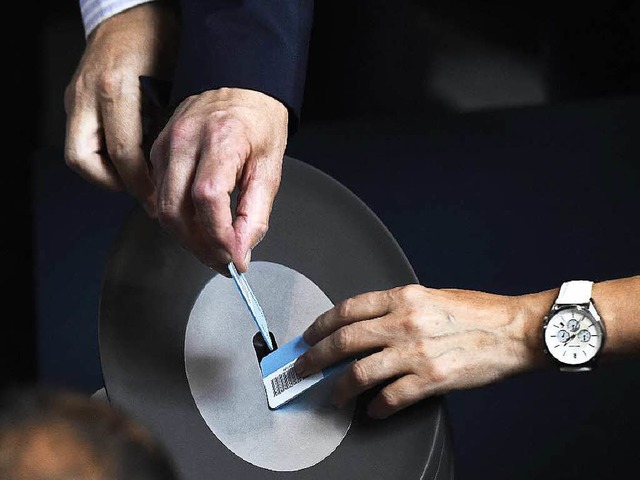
(281, 382)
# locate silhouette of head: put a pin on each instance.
(53, 435)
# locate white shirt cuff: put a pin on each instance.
(96, 11)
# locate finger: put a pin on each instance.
(215, 180)
(366, 373)
(346, 342)
(255, 201)
(361, 307)
(190, 235)
(159, 156)
(174, 168)
(123, 134)
(83, 145)
(397, 395)
(173, 160)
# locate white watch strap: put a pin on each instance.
(575, 292)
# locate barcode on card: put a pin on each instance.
(287, 379)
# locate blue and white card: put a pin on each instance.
(280, 380)
(252, 303)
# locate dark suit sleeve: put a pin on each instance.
(254, 44)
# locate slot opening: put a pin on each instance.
(261, 347)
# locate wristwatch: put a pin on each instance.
(573, 331)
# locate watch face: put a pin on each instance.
(573, 336)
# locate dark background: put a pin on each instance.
(479, 77)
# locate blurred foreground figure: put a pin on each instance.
(47, 435)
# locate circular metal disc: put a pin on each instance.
(225, 378)
(151, 285)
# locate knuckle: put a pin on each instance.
(111, 84)
(312, 329)
(341, 339)
(221, 125)
(408, 293)
(262, 228)
(389, 399)
(345, 308)
(258, 230)
(439, 371)
(167, 213)
(207, 191)
(229, 132)
(120, 151)
(320, 327)
(392, 295)
(360, 374)
(319, 324)
(410, 324)
(181, 133)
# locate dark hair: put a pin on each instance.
(55, 435)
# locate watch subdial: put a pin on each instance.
(584, 335)
(563, 336)
(573, 325)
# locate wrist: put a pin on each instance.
(530, 311)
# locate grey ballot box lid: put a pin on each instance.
(318, 228)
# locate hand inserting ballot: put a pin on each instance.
(215, 143)
(423, 341)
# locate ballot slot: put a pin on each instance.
(261, 347)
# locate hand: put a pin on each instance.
(103, 100)
(423, 341)
(214, 143)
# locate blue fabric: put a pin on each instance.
(253, 44)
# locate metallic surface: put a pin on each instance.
(225, 378)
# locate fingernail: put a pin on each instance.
(247, 258)
(299, 367)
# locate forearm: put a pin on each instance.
(617, 302)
